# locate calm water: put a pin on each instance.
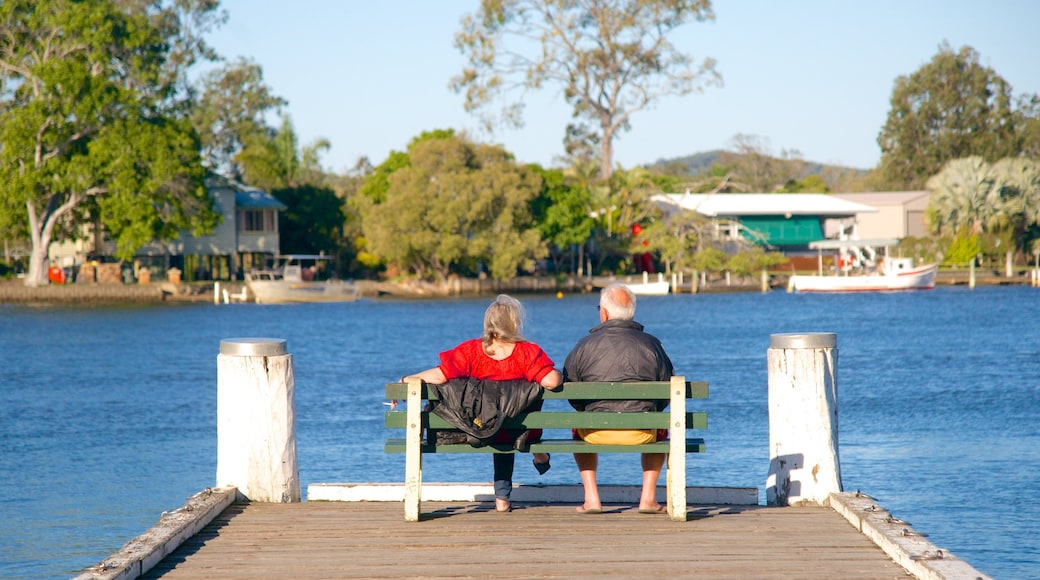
(107, 415)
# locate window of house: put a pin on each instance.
(257, 220)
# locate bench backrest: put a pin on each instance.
(656, 390)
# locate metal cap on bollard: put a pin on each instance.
(253, 347)
(803, 340)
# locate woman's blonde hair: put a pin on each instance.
(503, 320)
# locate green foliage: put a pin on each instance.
(1027, 124)
(964, 248)
(90, 121)
(456, 203)
(710, 259)
(611, 60)
(1000, 200)
(377, 182)
(561, 211)
(811, 184)
(312, 222)
(952, 107)
(675, 238)
(277, 161)
(230, 112)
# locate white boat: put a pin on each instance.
(648, 288)
(298, 278)
(858, 267)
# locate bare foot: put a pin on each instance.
(502, 505)
(589, 510)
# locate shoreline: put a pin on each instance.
(13, 292)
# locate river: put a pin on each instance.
(108, 414)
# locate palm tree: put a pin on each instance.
(961, 195)
(1017, 193)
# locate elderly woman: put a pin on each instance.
(501, 354)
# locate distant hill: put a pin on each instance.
(694, 164)
(699, 162)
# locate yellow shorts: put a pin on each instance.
(618, 436)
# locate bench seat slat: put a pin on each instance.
(568, 419)
(643, 391)
(693, 445)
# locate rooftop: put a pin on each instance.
(746, 204)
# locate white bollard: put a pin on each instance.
(256, 420)
(804, 467)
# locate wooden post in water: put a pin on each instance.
(256, 420)
(803, 419)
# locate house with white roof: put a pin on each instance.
(784, 221)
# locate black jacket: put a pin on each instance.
(618, 351)
(480, 407)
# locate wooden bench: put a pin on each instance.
(676, 419)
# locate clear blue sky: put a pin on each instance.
(810, 75)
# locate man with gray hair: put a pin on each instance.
(618, 350)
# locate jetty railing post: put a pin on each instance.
(256, 420)
(804, 467)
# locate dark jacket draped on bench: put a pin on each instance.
(478, 407)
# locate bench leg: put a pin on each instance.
(413, 453)
(676, 478)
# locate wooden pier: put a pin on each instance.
(472, 540)
(810, 529)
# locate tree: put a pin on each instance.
(312, 222)
(90, 121)
(278, 162)
(951, 108)
(1001, 199)
(676, 238)
(561, 212)
(811, 184)
(617, 204)
(230, 113)
(964, 248)
(611, 58)
(961, 196)
(752, 260)
(455, 206)
(1027, 123)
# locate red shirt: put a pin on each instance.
(528, 361)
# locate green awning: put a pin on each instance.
(796, 230)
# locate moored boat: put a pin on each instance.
(647, 288)
(298, 278)
(858, 267)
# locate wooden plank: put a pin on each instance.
(568, 419)
(470, 540)
(692, 445)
